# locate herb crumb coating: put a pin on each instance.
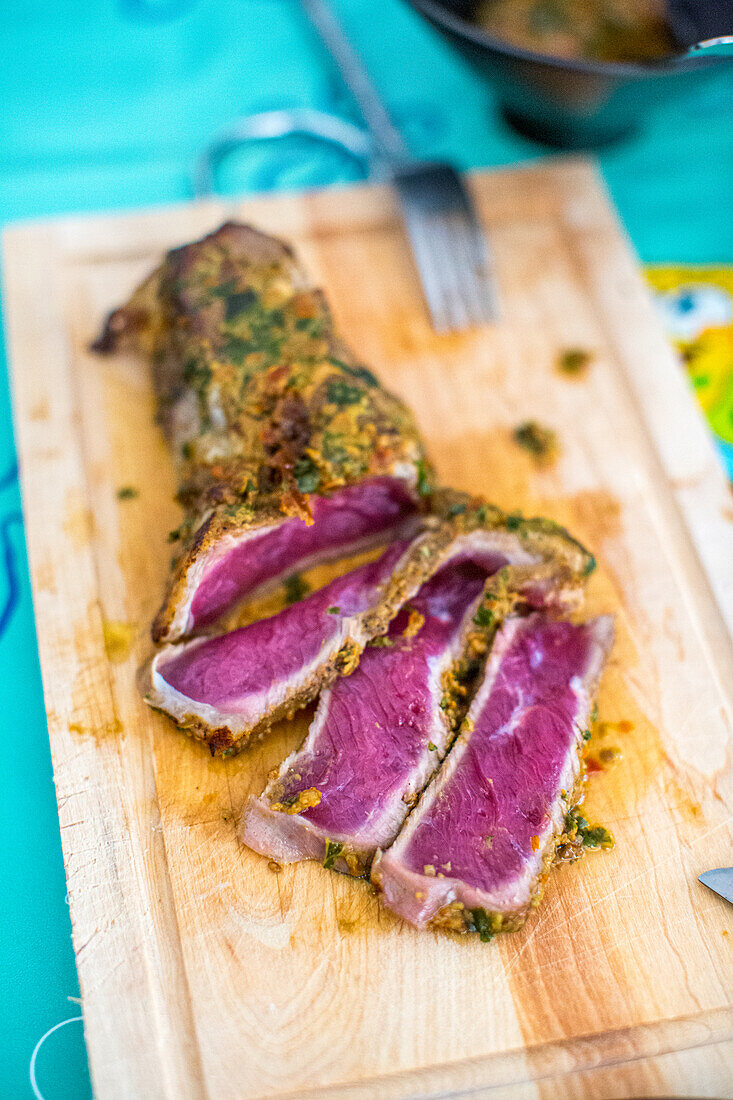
(261, 402)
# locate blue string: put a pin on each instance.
(10, 565)
(10, 476)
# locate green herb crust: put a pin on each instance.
(261, 402)
(256, 393)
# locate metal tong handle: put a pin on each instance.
(387, 139)
(268, 125)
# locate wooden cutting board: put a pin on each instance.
(205, 974)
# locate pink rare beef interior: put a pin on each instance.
(482, 829)
(351, 519)
(377, 735)
(226, 672)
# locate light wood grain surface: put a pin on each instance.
(205, 975)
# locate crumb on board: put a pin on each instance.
(113, 727)
(574, 362)
(118, 639)
(539, 441)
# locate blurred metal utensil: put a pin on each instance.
(701, 24)
(447, 239)
(720, 880)
(293, 122)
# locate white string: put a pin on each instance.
(34, 1085)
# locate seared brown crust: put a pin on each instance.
(261, 402)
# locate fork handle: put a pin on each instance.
(387, 138)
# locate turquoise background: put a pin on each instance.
(106, 105)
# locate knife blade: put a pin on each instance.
(720, 879)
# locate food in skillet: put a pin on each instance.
(594, 30)
(445, 754)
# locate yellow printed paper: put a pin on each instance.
(696, 305)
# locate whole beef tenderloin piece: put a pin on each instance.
(267, 412)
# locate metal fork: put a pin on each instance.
(448, 242)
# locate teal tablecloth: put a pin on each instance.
(105, 104)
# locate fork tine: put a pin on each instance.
(470, 261)
(470, 250)
(433, 249)
(465, 267)
(467, 261)
(428, 271)
(449, 267)
(482, 268)
(448, 244)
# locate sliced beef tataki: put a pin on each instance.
(229, 687)
(231, 562)
(475, 851)
(267, 413)
(380, 733)
(376, 738)
(226, 689)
